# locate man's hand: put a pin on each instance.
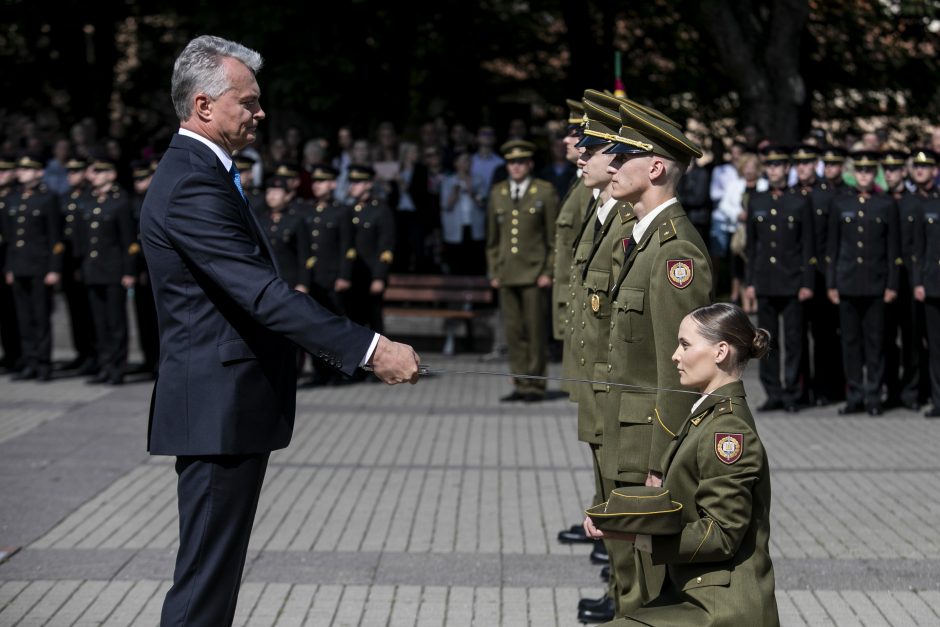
(127, 281)
(377, 286)
(52, 278)
(597, 534)
(494, 283)
(9, 278)
(833, 296)
(654, 479)
(393, 362)
(804, 294)
(544, 281)
(920, 294)
(890, 295)
(341, 285)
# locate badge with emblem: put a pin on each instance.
(679, 272)
(729, 446)
(595, 303)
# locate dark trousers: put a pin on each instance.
(147, 331)
(932, 319)
(771, 310)
(33, 300)
(9, 329)
(108, 308)
(822, 362)
(904, 362)
(863, 324)
(80, 318)
(218, 496)
(525, 317)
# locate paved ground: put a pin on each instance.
(434, 505)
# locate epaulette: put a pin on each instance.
(625, 210)
(667, 231)
(724, 406)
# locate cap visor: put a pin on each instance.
(619, 148)
(588, 141)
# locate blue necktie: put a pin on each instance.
(237, 179)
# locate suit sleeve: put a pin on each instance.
(551, 216)
(492, 238)
(668, 306)
(808, 242)
(54, 230)
(832, 246)
(209, 232)
(723, 499)
(894, 247)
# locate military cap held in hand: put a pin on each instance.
(638, 509)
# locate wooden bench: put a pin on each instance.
(439, 296)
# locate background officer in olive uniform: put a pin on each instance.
(106, 241)
(780, 275)
(863, 276)
(520, 239)
(33, 264)
(283, 225)
(144, 307)
(925, 269)
(373, 226)
(9, 333)
(664, 275)
(821, 367)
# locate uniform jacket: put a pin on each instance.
(819, 195)
(326, 236)
(719, 564)
(574, 366)
(106, 239)
(373, 226)
(780, 243)
(229, 325)
(283, 231)
(520, 236)
(926, 268)
(569, 220)
(863, 245)
(665, 276)
(33, 232)
(909, 219)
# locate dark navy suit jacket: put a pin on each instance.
(229, 326)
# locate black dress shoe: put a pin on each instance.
(515, 396)
(911, 405)
(605, 573)
(532, 397)
(851, 408)
(592, 604)
(44, 374)
(599, 554)
(934, 412)
(792, 408)
(88, 368)
(25, 374)
(116, 379)
(574, 535)
(875, 410)
(601, 614)
(822, 401)
(771, 405)
(101, 377)
(74, 364)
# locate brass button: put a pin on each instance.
(773, 212)
(93, 254)
(515, 221)
(96, 210)
(20, 231)
(515, 231)
(609, 367)
(773, 244)
(861, 201)
(649, 419)
(20, 243)
(773, 260)
(698, 580)
(94, 225)
(860, 260)
(356, 220)
(514, 240)
(582, 343)
(861, 229)
(582, 361)
(69, 218)
(316, 232)
(819, 212)
(72, 205)
(94, 240)
(861, 244)
(21, 219)
(773, 227)
(514, 250)
(515, 212)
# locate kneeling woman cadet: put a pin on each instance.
(719, 569)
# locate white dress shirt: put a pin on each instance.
(604, 210)
(639, 229)
(518, 190)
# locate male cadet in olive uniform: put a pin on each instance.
(904, 317)
(611, 224)
(147, 331)
(373, 240)
(71, 205)
(106, 242)
(283, 226)
(863, 276)
(33, 264)
(780, 275)
(821, 367)
(9, 333)
(665, 274)
(520, 238)
(925, 270)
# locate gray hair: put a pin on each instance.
(199, 69)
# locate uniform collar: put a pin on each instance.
(640, 228)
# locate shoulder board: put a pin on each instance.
(723, 407)
(625, 210)
(667, 231)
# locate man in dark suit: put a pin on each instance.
(229, 330)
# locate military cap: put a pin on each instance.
(642, 132)
(613, 102)
(73, 164)
(866, 158)
(638, 509)
(774, 154)
(102, 162)
(805, 152)
(278, 182)
(244, 162)
(894, 158)
(575, 112)
(361, 173)
(924, 156)
(141, 169)
(517, 149)
(286, 170)
(323, 172)
(833, 154)
(29, 161)
(7, 163)
(600, 120)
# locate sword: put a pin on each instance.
(425, 370)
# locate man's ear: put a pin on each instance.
(203, 107)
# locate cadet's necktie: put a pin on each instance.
(515, 193)
(237, 179)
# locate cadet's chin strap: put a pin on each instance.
(425, 370)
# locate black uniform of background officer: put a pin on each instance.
(33, 264)
(9, 331)
(925, 270)
(71, 206)
(863, 276)
(282, 224)
(371, 253)
(144, 308)
(822, 364)
(107, 245)
(780, 274)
